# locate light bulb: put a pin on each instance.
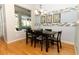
(42, 13)
(45, 12)
(36, 12)
(41, 10)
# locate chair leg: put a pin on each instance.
(26, 38)
(41, 43)
(52, 42)
(58, 46)
(31, 42)
(34, 43)
(47, 45)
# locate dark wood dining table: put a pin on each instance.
(45, 34)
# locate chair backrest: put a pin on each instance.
(48, 29)
(59, 35)
(29, 30)
(38, 31)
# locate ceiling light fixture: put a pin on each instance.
(41, 11)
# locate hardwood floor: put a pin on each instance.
(21, 48)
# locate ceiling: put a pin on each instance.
(53, 7)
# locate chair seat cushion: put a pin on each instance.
(39, 38)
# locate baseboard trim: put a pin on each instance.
(71, 43)
(67, 42)
(15, 40)
(75, 47)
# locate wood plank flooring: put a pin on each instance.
(21, 48)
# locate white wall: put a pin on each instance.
(10, 22)
(69, 32)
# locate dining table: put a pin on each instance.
(45, 34)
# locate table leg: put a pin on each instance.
(47, 44)
(34, 42)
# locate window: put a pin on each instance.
(22, 16)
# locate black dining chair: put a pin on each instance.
(28, 34)
(38, 38)
(50, 36)
(57, 39)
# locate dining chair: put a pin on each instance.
(38, 38)
(50, 36)
(28, 34)
(57, 39)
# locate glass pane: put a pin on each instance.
(17, 20)
(25, 22)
